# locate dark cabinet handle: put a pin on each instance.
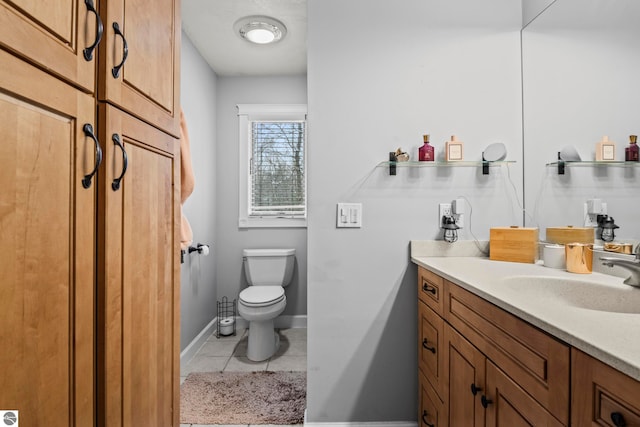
(115, 185)
(618, 419)
(424, 419)
(88, 52)
(475, 389)
(115, 71)
(485, 402)
(426, 347)
(428, 288)
(88, 131)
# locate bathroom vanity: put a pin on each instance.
(509, 344)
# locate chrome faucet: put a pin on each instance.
(632, 265)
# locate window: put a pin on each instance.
(273, 185)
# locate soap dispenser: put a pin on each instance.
(426, 152)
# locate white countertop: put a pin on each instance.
(577, 310)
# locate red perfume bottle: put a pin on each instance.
(426, 152)
(631, 152)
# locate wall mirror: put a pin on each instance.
(581, 81)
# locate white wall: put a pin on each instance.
(232, 240)
(580, 83)
(380, 74)
(198, 274)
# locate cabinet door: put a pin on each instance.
(138, 285)
(53, 35)
(47, 241)
(430, 346)
(601, 395)
(431, 411)
(509, 406)
(465, 370)
(148, 82)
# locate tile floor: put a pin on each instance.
(230, 354)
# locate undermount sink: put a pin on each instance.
(580, 293)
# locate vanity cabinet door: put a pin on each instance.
(465, 374)
(601, 395)
(430, 345)
(509, 406)
(431, 412)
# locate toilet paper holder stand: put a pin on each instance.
(226, 314)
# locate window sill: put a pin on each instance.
(272, 223)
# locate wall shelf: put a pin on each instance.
(485, 165)
(562, 165)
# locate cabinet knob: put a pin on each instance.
(424, 419)
(428, 288)
(426, 347)
(475, 389)
(618, 419)
(485, 402)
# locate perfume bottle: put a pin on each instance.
(453, 149)
(631, 152)
(426, 152)
(605, 150)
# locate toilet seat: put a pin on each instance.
(260, 296)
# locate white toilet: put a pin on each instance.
(268, 271)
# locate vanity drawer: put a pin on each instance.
(601, 395)
(430, 345)
(533, 359)
(430, 289)
(431, 411)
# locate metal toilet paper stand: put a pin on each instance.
(226, 317)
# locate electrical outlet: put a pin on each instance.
(444, 209)
(590, 214)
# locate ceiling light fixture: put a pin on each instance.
(260, 29)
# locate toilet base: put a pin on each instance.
(263, 340)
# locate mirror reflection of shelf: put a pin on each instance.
(561, 165)
(458, 163)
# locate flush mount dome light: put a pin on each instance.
(260, 29)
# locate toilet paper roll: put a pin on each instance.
(554, 256)
(204, 250)
(225, 326)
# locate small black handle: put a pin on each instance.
(115, 71)
(426, 347)
(485, 402)
(88, 131)
(428, 288)
(115, 185)
(618, 419)
(88, 52)
(424, 419)
(475, 389)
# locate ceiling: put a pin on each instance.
(209, 25)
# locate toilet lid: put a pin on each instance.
(261, 295)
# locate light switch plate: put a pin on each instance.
(349, 215)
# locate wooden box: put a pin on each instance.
(570, 234)
(515, 244)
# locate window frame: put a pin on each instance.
(248, 113)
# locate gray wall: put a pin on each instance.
(380, 74)
(232, 240)
(198, 273)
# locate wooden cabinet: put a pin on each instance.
(47, 241)
(90, 271)
(54, 35)
(144, 78)
(601, 395)
(138, 282)
(496, 370)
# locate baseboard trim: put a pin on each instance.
(281, 322)
(363, 424)
(195, 344)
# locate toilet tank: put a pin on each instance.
(268, 267)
